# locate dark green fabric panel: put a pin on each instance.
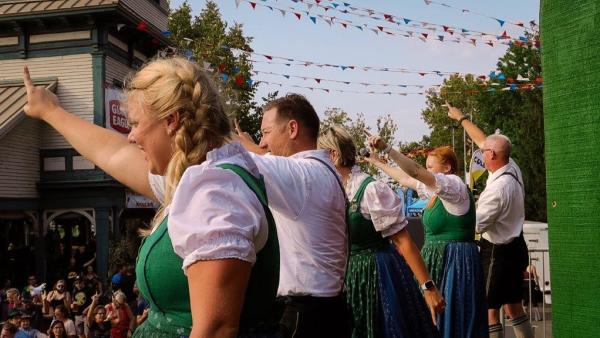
(571, 64)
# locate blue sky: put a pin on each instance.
(289, 37)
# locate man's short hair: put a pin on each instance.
(500, 138)
(296, 107)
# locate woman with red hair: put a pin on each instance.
(449, 252)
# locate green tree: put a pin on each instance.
(214, 45)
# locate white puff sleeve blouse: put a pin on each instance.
(451, 190)
(214, 214)
(379, 203)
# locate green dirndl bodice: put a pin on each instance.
(441, 228)
(361, 275)
(163, 284)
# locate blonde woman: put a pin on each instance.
(384, 299)
(449, 251)
(209, 267)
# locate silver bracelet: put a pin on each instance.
(387, 149)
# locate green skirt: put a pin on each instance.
(161, 325)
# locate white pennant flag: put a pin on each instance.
(237, 3)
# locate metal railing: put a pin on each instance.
(538, 255)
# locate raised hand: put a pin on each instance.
(453, 112)
(377, 142)
(244, 137)
(40, 101)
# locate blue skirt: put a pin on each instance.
(384, 298)
(463, 289)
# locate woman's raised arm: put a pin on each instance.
(108, 150)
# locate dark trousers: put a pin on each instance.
(315, 317)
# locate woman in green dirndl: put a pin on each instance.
(209, 266)
(381, 291)
(449, 252)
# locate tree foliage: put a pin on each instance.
(210, 41)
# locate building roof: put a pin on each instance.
(13, 98)
(12, 7)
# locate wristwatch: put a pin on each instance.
(428, 285)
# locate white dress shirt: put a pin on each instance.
(309, 208)
(379, 203)
(501, 206)
(214, 214)
(451, 190)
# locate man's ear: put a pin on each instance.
(293, 130)
(447, 168)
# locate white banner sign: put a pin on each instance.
(134, 201)
(116, 118)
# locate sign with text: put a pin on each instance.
(135, 201)
(116, 117)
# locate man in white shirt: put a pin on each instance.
(500, 217)
(309, 207)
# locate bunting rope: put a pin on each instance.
(468, 11)
(381, 29)
(382, 16)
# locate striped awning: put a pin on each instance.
(13, 98)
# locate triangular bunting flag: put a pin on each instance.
(424, 35)
(313, 19)
(253, 4)
(298, 15)
(237, 3)
(501, 22)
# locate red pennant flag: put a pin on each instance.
(380, 28)
(505, 35)
(490, 43)
(269, 57)
(351, 67)
(520, 24)
(345, 25)
(451, 32)
(253, 4)
(482, 77)
(221, 68)
(239, 80)
(425, 35)
(298, 15)
(422, 74)
(318, 80)
(390, 33)
(538, 80)
(388, 17)
(142, 26)
(509, 80)
(445, 28)
(318, 1)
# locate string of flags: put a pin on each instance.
(510, 87)
(319, 80)
(461, 37)
(502, 22)
(347, 8)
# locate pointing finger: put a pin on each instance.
(29, 86)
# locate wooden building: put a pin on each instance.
(82, 50)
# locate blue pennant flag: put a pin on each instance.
(249, 82)
(441, 37)
(236, 69)
(346, 4)
(313, 19)
(406, 21)
(167, 34)
(359, 27)
(288, 64)
(464, 30)
(335, 5)
(524, 39)
(501, 77)
(343, 67)
(492, 74)
(501, 22)
(286, 76)
(513, 86)
(224, 77)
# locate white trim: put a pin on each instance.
(118, 43)
(9, 41)
(51, 37)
